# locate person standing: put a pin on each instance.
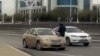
(61, 30)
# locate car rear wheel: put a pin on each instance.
(86, 44)
(25, 44)
(68, 43)
(38, 46)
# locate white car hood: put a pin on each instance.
(77, 34)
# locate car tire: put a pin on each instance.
(68, 43)
(86, 44)
(25, 44)
(38, 46)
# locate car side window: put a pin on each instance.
(34, 32)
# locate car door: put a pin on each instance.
(33, 38)
(28, 37)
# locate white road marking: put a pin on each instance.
(11, 34)
(18, 50)
(62, 54)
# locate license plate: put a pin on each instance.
(55, 43)
(84, 40)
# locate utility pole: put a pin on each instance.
(70, 10)
(3, 19)
(77, 12)
(29, 4)
(97, 11)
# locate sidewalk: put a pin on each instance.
(7, 50)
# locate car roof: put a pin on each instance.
(70, 27)
(41, 28)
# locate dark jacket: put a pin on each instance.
(62, 30)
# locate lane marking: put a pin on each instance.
(21, 36)
(17, 50)
(63, 54)
(10, 34)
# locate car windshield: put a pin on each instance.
(45, 32)
(73, 30)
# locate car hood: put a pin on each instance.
(78, 34)
(49, 37)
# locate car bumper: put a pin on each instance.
(80, 40)
(44, 45)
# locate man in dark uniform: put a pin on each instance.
(61, 30)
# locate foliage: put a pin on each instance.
(7, 18)
(19, 17)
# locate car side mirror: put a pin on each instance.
(58, 33)
(35, 34)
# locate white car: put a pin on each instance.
(75, 36)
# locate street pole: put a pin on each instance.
(30, 3)
(77, 12)
(3, 19)
(70, 10)
(30, 14)
(12, 19)
(97, 12)
(30, 6)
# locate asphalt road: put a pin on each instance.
(75, 50)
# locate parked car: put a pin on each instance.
(43, 38)
(74, 35)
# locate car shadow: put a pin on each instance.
(78, 45)
(52, 49)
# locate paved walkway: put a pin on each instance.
(7, 50)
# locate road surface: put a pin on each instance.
(75, 50)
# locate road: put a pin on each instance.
(75, 50)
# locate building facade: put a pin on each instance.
(79, 4)
(10, 7)
(7, 7)
(23, 6)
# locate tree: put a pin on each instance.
(7, 18)
(60, 12)
(86, 16)
(19, 17)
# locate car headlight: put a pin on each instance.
(45, 40)
(74, 36)
(63, 40)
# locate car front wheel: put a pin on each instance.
(86, 44)
(25, 44)
(38, 46)
(68, 43)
